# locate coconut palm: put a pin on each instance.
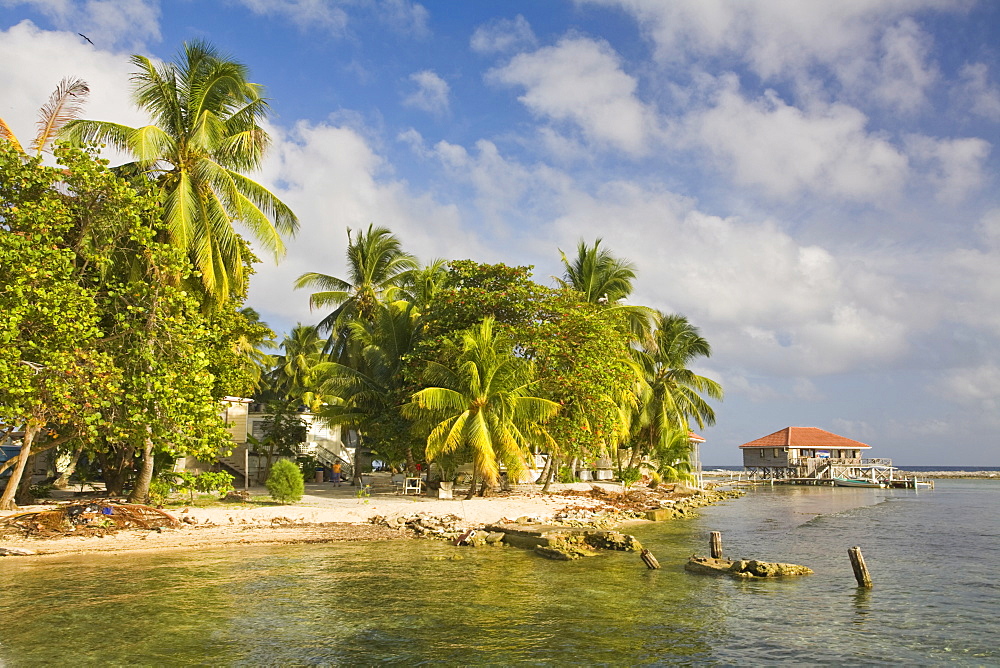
(598, 274)
(297, 370)
(205, 135)
(377, 266)
(672, 398)
(420, 285)
(366, 391)
(64, 105)
(605, 279)
(483, 404)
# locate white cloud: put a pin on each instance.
(431, 94)
(333, 179)
(977, 93)
(333, 16)
(581, 81)
(36, 60)
(955, 165)
(403, 16)
(503, 36)
(759, 296)
(787, 39)
(904, 74)
(979, 385)
(108, 23)
(304, 14)
(786, 151)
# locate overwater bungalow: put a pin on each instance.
(811, 455)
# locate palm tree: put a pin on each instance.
(367, 390)
(605, 279)
(296, 373)
(250, 345)
(420, 285)
(672, 396)
(64, 105)
(483, 404)
(598, 274)
(377, 267)
(206, 134)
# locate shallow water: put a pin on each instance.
(933, 556)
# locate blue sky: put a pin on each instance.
(813, 184)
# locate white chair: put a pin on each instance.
(412, 485)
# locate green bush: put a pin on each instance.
(285, 483)
(629, 476)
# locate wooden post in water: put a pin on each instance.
(649, 559)
(715, 544)
(860, 570)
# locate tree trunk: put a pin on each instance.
(30, 431)
(140, 493)
(23, 496)
(62, 482)
(356, 479)
(411, 463)
(484, 487)
(116, 464)
(472, 484)
(545, 469)
(553, 467)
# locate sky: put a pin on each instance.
(813, 184)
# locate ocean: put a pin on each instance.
(933, 556)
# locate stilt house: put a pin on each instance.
(804, 453)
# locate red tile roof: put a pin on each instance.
(804, 437)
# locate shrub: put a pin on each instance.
(285, 484)
(629, 476)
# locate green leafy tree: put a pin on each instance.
(53, 374)
(285, 484)
(484, 403)
(205, 135)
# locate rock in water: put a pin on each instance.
(744, 568)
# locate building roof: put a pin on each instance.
(804, 437)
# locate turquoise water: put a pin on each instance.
(933, 556)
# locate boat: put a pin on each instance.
(855, 482)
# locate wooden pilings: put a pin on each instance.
(860, 569)
(649, 559)
(715, 545)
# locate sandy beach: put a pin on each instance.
(325, 514)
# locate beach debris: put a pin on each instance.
(744, 568)
(237, 496)
(92, 518)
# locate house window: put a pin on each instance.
(777, 453)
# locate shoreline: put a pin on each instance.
(329, 514)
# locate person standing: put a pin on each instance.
(336, 474)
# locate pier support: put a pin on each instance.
(715, 545)
(860, 569)
(649, 559)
